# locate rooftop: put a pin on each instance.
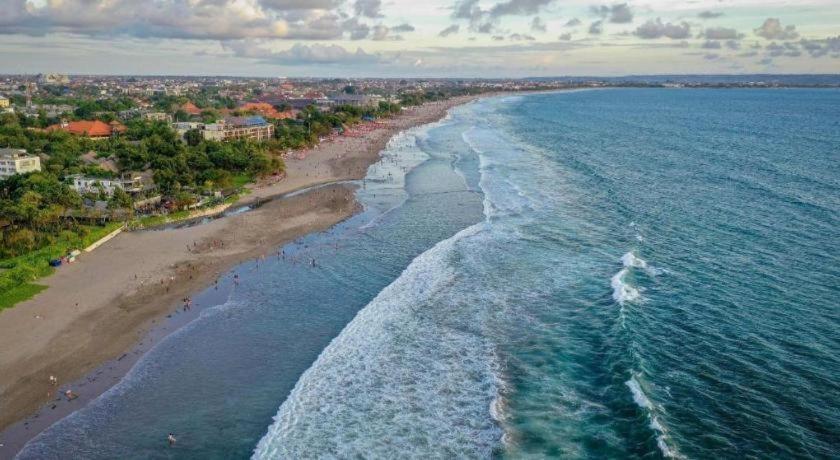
(11, 154)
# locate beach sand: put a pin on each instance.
(96, 310)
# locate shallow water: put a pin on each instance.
(609, 274)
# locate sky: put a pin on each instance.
(419, 38)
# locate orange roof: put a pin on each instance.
(265, 109)
(87, 128)
(191, 108)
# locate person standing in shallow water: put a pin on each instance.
(171, 439)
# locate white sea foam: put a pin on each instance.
(411, 374)
(623, 292)
(642, 400)
(631, 260)
(401, 377)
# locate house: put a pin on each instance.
(357, 100)
(130, 182)
(254, 128)
(95, 129)
(4, 102)
(157, 116)
(17, 161)
(92, 158)
(53, 79)
(86, 184)
(190, 108)
(181, 127)
(266, 110)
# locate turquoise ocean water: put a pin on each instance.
(633, 273)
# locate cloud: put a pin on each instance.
(822, 47)
(521, 37)
(300, 4)
(709, 14)
(453, 29)
(619, 13)
(537, 25)
(186, 19)
(596, 27)
(565, 37)
(518, 7)
(487, 20)
(655, 28)
(772, 30)
(404, 27)
(788, 49)
(301, 54)
(356, 29)
(722, 33)
(574, 22)
(368, 8)
(380, 32)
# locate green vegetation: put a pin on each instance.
(18, 273)
(24, 292)
(43, 218)
(312, 124)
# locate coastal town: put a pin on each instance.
(90, 164)
(81, 157)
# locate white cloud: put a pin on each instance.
(772, 30)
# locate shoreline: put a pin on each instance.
(90, 334)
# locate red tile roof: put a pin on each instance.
(87, 128)
(265, 109)
(191, 108)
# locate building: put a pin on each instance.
(51, 110)
(356, 100)
(53, 79)
(4, 102)
(132, 182)
(190, 108)
(181, 127)
(266, 110)
(157, 116)
(17, 161)
(254, 128)
(92, 129)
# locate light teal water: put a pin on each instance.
(599, 274)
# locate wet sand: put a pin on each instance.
(100, 314)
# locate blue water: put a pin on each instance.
(598, 274)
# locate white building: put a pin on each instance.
(131, 182)
(17, 161)
(83, 184)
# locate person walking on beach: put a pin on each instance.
(171, 439)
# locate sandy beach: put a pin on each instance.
(100, 308)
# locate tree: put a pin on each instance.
(120, 199)
(181, 115)
(193, 137)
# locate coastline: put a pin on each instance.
(90, 334)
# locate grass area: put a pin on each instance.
(19, 272)
(9, 298)
(240, 180)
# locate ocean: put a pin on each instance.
(624, 273)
